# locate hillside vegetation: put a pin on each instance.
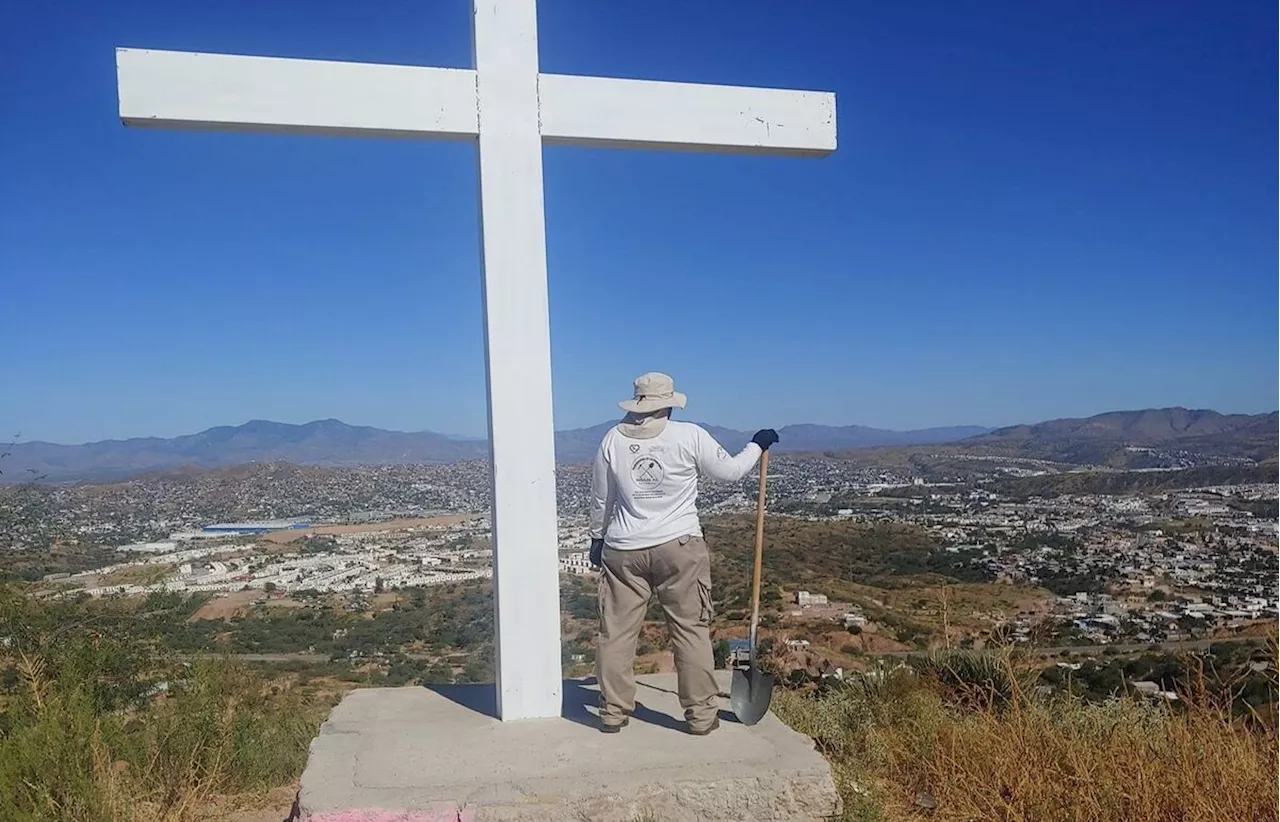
(963, 737)
(893, 573)
(801, 553)
(100, 724)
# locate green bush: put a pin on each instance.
(976, 678)
(105, 726)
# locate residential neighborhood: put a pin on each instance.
(1140, 567)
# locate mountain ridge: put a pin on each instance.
(1110, 438)
(1145, 425)
(333, 442)
(1086, 440)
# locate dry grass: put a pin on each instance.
(995, 753)
(224, 733)
(225, 606)
(138, 575)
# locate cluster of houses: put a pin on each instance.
(1103, 619)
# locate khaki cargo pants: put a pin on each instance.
(679, 572)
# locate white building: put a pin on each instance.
(805, 599)
(578, 563)
(150, 547)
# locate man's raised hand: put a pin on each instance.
(765, 437)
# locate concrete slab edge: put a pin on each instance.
(445, 812)
(795, 797)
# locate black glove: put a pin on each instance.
(597, 552)
(765, 437)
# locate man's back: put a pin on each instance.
(645, 490)
(647, 541)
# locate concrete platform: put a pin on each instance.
(434, 754)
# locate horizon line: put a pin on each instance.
(16, 439)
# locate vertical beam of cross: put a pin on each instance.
(518, 355)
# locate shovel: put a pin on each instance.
(751, 689)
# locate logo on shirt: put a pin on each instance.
(635, 449)
(647, 473)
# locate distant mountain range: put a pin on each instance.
(1118, 438)
(1104, 439)
(1149, 426)
(332, 442)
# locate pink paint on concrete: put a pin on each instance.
(445, 813)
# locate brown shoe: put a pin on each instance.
(715, 723)
(613, 727)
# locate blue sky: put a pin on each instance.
(1036, 210)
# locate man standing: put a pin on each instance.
(646, 534)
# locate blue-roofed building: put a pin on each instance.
(256, 527)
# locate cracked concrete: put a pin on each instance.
(436, 754)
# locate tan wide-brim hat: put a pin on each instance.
(653, 392)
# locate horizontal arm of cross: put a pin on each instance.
(240, 93)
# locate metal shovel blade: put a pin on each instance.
(749, 694)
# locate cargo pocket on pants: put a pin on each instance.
(706, 611)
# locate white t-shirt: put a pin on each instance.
(644, 492)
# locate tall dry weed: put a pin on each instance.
(967, 739)
(217, 731)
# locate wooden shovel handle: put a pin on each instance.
(755, 574)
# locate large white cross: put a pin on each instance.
(512, 110)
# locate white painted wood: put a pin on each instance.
(237, 93)
(649, 114)
(512, 110)
(234, 93)
(526, 568)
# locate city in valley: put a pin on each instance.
(1113, 566)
